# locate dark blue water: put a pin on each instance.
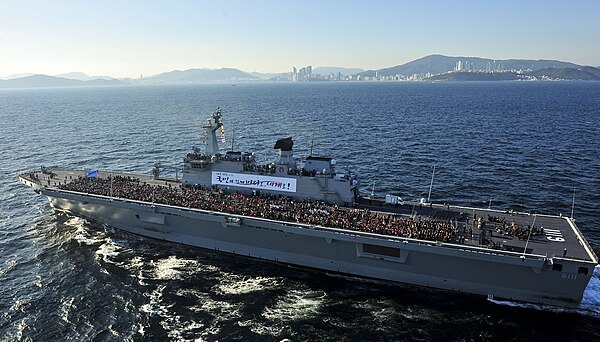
(520, 145)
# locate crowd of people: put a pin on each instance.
(282, 208)
(512, 229)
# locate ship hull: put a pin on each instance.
(452, 267)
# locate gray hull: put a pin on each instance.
(491, 273)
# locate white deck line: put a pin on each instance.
(582, 240)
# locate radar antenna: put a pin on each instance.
(217, 118)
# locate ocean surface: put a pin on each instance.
(509, 145)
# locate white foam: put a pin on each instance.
(16, 306)
(173, 324)
(38, 281)
(82, 235)
(221, 311)
(65, 308)
(173, 268)
(262, 329)
(234, 285)
(154, 307)
(591, 295)
(107, 250)
(381, 310)
(21, 327)
(295, 305)
(10, 264)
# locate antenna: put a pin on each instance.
(312, 143)
(232, 139)
(373, 190)
(573, 204)
(431, 185)
(529, 235)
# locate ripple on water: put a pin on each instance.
(479, 136)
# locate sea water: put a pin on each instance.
(527, 146)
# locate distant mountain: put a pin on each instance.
(334, 70)
(10, 77)
(83, 77)
(271, 75)
(437, 64)
(45, 81)
(192, 76)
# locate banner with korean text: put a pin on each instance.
(254, 181)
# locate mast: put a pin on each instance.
(431, 185)
(211, 145)
(312, 143)
(528, 236)
(573, 204)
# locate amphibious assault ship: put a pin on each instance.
(310, 214)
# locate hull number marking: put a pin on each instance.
(554, 235)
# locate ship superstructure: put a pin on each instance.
(306, 213)
(317, 179)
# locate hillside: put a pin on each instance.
(583, 73)
(475, 76)
(192, 76)
(437, 64)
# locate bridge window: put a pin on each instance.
(582, 270)
(557, 267)
(200, 165)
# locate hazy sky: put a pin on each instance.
(129, 38)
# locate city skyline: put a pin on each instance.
(133, 38)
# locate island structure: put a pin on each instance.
(309, 214)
